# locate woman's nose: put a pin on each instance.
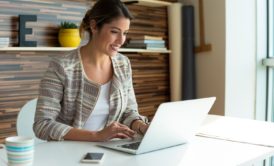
(121, 39)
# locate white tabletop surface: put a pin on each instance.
(238, 129)
(201, 151)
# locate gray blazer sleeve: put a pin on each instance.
(131, 112)
(48, 106)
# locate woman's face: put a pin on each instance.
(111, 36)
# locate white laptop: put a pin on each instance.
(174, 123)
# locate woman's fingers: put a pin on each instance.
(121, 130)
(116, 130)
(120, 135)
(125, 131)
(144, 128)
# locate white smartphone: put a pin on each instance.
(92, 157)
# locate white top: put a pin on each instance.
(99, 115)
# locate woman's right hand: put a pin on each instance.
(115, 130)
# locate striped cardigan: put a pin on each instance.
(67, 97)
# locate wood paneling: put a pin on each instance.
(49, 16)
(21, 72)
(150, 80)
(153, 22)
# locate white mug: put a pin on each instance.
(19, 150)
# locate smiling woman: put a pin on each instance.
(88, 94)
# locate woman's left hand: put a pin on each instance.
(115, 130)
(140, 127)
(143, 128)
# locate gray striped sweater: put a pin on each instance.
(67, 97)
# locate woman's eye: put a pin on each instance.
(126, 33)
(114, 32)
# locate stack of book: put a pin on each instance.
(4, 42)
(147, 42)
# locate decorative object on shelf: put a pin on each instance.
(147, 37)
(4, 42)
(23, 31)
(147, 42)
(68, 35)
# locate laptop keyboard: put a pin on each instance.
(133, 146)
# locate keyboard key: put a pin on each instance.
(133, 146)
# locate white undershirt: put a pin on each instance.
(99, 115)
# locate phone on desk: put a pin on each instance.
(92, 157)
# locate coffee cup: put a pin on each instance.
(19, 150)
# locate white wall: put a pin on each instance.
(240, 58)
(228, 71)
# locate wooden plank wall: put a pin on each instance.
(20, 72)
(49, 15)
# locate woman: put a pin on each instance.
(87, 95)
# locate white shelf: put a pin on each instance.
(143, 50)
(37, 48)
(71, 48)
(150, 3)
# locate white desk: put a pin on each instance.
(200, 152)
(238, 129)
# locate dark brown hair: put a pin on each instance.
(104, 11)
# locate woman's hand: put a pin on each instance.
(143, 128)
(115, 130)
(139, 126)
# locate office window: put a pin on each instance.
(270, 64)
(265, 63)
(271, 55)
(265, 59)
(271, 49)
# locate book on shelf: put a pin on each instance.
(147, 37)
(4, 38)
(145, 45)
(4, 42)
(3, 46)
(147, 41)
(155, 48)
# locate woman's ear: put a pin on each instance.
(93, 26)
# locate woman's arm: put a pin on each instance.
(131, 116)
(114, 130)
(81, 135)
(48, 106)
(139, 126)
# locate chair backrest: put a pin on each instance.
(25, 120)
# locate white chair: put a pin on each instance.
(25, 120)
